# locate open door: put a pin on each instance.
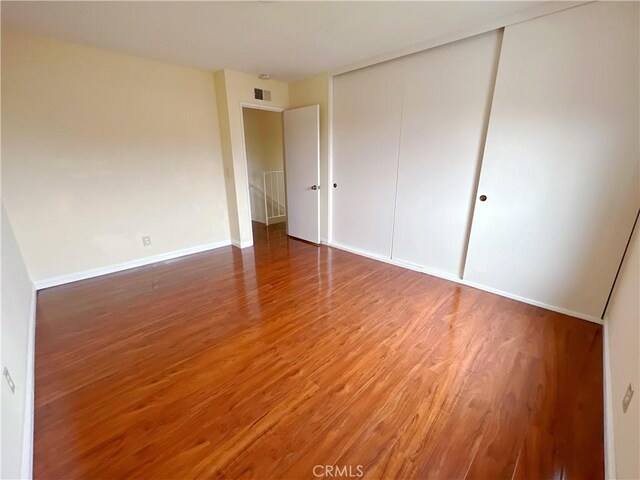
(302, 172)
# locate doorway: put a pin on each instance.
(264, 147)
(282, 151)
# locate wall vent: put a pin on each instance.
(260, 94)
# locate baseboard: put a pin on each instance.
(456, 279)
(535, 303)
(362, 253)
(239, 244)
(96, 272)
(26, 467)
(275, 221)
(609, 445)
(324, 241)
(397, 263)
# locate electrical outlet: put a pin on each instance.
(627, 398)
(9, 380)
(146, 241)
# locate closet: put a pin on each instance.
(508, 160)
(366, 122)
(447, 98)
(560, 170)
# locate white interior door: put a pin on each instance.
(302, 164)
(560, 170)
(447, 99)
(367, 111)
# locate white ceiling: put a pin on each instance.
(289, 40)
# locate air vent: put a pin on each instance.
(260, 94)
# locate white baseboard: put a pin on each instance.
(609, 445)
(96, 272)
(26, 467)
(397, 263)
(535, 303)
(275, 221)
(324, 241)
(454, 278)
(239, 244)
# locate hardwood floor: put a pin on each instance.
(267, 362)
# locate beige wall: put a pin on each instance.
(311, 91)
(264, 150)
(623, 331)
(17, 328)
(227, 153)
(236, 88)
(99, 149)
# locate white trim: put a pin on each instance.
(397, 263)
(329, 178)
(454, 278)
(318, 172)
(540, 10)
(26, 467)
(535, 303)
(609, 444)
(262, 107)
(96, 272)
(324, 241)
(239, 244)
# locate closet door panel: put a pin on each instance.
(447, 99)
(560, 169)
(367, 109)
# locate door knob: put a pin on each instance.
(483, 198)
(335, 185)
(314, 187)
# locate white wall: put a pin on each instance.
(100, 149)
(17, 332)
(264, 150)
(622, 322)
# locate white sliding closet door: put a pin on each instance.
(367, 110)
(560, 170)
(447, 100)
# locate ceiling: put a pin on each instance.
(290, 40)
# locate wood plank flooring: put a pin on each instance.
(267, 362)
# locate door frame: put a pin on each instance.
(247, 189)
